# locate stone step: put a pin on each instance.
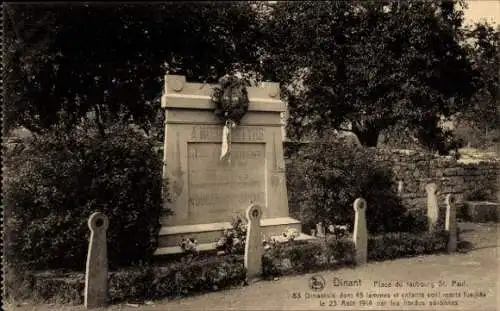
(171, 250)
(170, 236)
(480, 211)
(203, 233)
(206, 247)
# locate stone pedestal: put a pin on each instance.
(96, 276)
(432, 206)
(253, 244)
(450, 223)
(206, 192)
(481, 211)
(360, 232)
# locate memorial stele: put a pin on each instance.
(207, 193)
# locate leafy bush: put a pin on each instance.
(414, 221)
(479, 195)
(403, 244)
(477, 135)
(64, 290)
(144, 282)
(210, 274)
(301, 257)
(53, 183)
(324, 179)
(341, 250)
(233, 240)
(205, 274)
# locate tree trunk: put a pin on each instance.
(367, 137)
(99, 120)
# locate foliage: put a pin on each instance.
(144, 282)
(476, 134)
(302, 257)
(399, 137)
(479, 195)
(64, 291)
(324, 180)
(414, 222)
(342, 251)
(114, 69)
(54, 182)
(403, 244)
(189, 245)
(233, 240)
(437, 138)
(179, 279)
(483, 44)
(368, 63)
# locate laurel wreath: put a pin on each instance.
(230, 99)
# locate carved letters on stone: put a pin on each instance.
(221, 187)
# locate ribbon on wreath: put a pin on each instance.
(226, 140)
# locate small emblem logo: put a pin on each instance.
(317, 283)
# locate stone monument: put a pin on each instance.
(207, 193)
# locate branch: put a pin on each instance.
(98, 120)
(8, 9)
(340, 128)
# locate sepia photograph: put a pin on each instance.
(251, 155)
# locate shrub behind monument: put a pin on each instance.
(325, 178)
(54, 182)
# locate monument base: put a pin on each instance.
(207, 235)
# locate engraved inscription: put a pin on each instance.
(220, 189)
(214, 133)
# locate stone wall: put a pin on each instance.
(464, 179)
(415, 169)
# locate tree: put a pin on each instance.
(54, 182)
(65, 62)
(373, 64)
(483, 43)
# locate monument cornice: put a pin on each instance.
(191, 95)
(201, 123)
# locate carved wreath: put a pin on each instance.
(230, 99)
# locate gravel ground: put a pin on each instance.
(471, 276)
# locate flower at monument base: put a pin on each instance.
(291, 234)
(338, 230)
(221, 242)
(189, 245)
(268, 244)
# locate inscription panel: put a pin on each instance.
(214, 133)
(218, 190)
